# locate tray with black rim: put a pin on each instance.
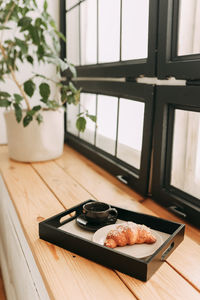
(63, 230)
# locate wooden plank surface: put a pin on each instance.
(99, 181)
(191, 231)
(186, 258)
(67, 181)
(66, 276)
(64, 187)
(116, 199)
(163, 285)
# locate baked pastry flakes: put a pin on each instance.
(129, 233)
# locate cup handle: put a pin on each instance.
(113, 212)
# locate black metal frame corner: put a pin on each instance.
(169, 98)
(137, 179)
(169, 64)
(130, 68)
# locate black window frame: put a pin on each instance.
(162, 62)
(137, 179)
(130, 68)
(169, 63)
(170, 98)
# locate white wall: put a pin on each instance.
(25, 71)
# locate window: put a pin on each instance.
(140, 127)
(185, 169)
(121, 141)
(178, 40)
(176, 150)
(98, 32)
(188, 25)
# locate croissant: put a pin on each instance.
(129, 233)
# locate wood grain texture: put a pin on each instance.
(165, 284)
(2, 291)
(66, 276)
(186, 258)
(91, 176)
(176, 260)
(64, 187)
(191, 231)
(44, 189)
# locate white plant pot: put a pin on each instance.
(36, 142)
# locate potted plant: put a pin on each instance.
(35, 131)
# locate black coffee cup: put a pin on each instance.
(99, 212)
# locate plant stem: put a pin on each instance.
(15, 79)
(9, 14)
(7, 18)
(20, 88)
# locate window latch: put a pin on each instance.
(123, 178)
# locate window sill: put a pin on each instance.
(41, 190)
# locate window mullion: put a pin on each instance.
(116, 141)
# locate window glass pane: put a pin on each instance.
(109, 30)
(188, 30)
(72, 111)
(70, 3)
(106, 123)
(135, 18)
(88, 102)
(88, 32)
(73, 36)
(130, 131)
(185, 173)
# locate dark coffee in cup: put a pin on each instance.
(99, 212)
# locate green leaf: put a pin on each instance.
(77, 97)
(63, 65)
(29, 87)
(4, 94)
(5, 103)
(27, 119)
(29, 59)
(73, 70)
(52, 23)
(81, 124)
(36, 108)
(34, 35)
(33, 110)
(71, 99)
(38, 22)
(24, 22)
(92, 117)
(72, 87)
(2, 27)
(39, 118)
(34, 1)
(18, 98)
(64, 89)
(60, 35)
(52, 104)
(80, 114)
(44, 100)
(45, 5)
(23, 46)
(18, 112)
(44, 90)
(63, 96)
(40, 52)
